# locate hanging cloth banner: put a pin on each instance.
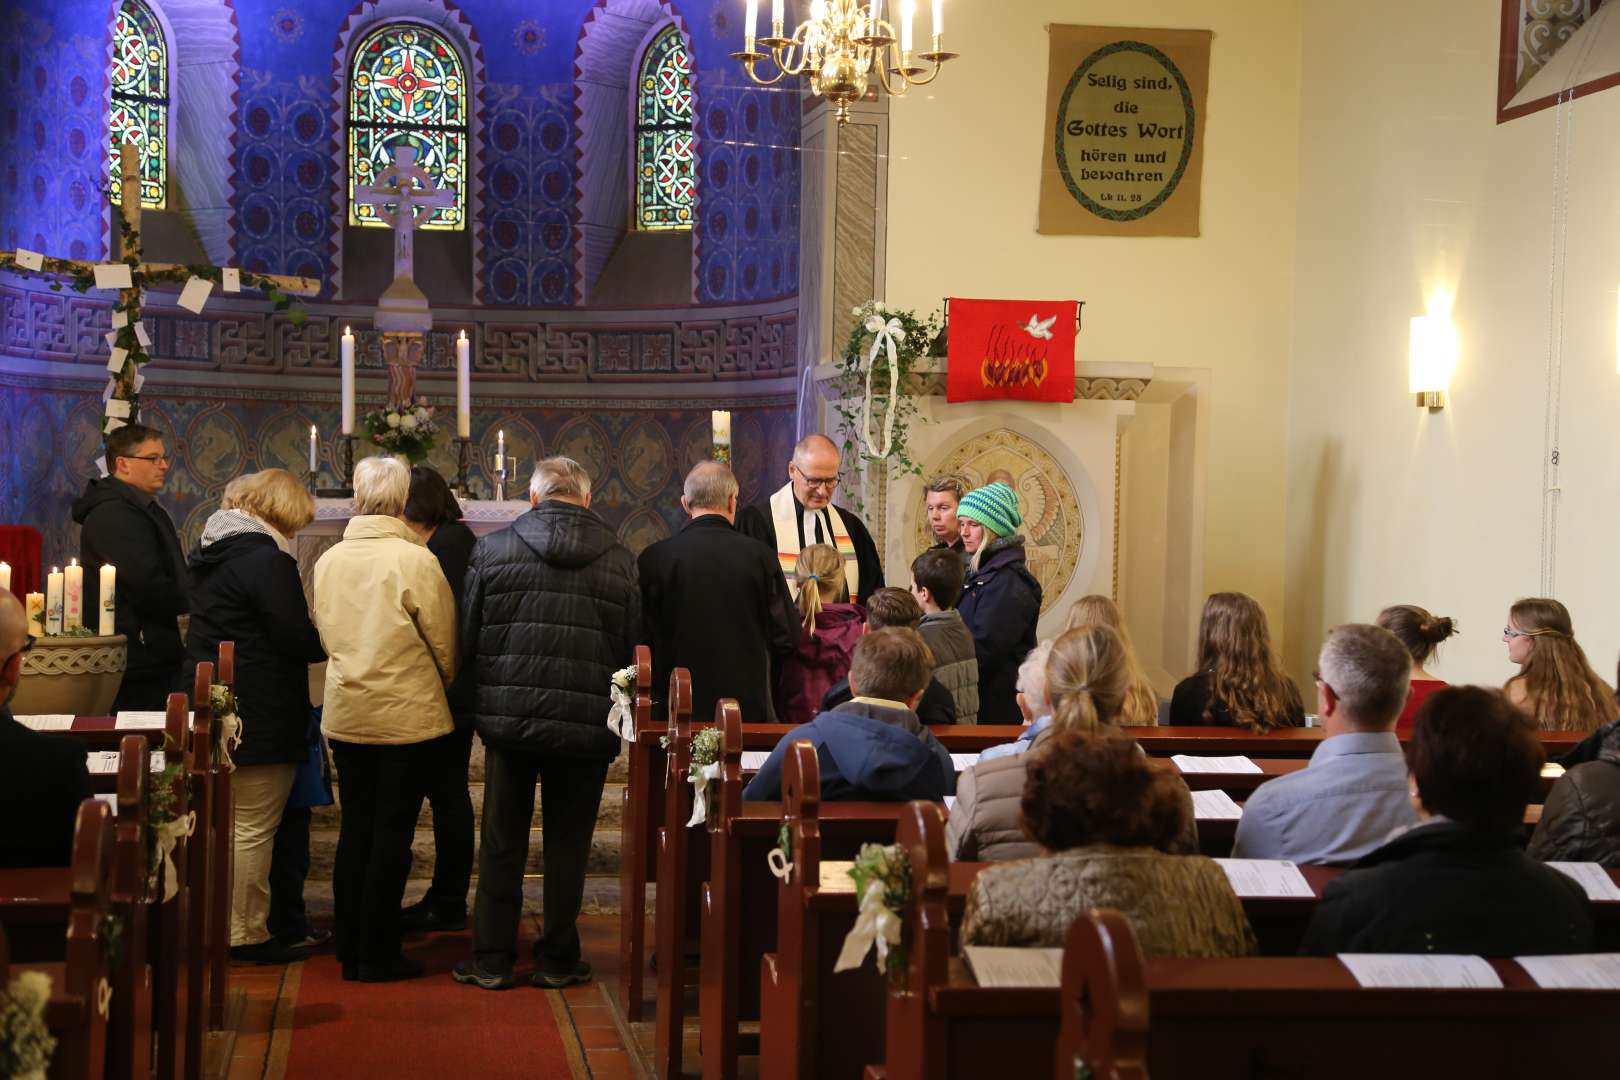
(1125, 129)
(1017, 350)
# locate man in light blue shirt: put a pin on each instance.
(1353, 793)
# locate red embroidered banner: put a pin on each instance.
(1011, 350)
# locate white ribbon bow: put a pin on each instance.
(168, 835)
(885, 335)
(622, 718)
(230, 737)
(877, 925)
(700, 777)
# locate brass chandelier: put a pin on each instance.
(842, 46)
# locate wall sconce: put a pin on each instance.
(1431, 358)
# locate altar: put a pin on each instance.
(482, 516)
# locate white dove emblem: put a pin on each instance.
(1040, 328)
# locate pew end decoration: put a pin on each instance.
(882, 350)
(403, 429)
(882, 874)
(26, 1043)
(705, 767)
(227, 724)
(621, 718)
(1104, 1005)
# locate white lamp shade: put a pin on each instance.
(1431, 355)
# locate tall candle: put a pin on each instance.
(108, 593)
(5, 576)
(34, 604)
(53, 602)
(939, 17)
(348, 381)
(73, 596)
(500, 450)
(720, 423)
(463, 387)
(314, 452)
(776, 17)
(908, 11)
(872, 15)
(750, 21)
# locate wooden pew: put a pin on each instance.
(200, 871)
(671, 898)
(79, 967)
(177, 1054)
(221, 838)
(638, 829)
(1123, 1016)
(130, 1025)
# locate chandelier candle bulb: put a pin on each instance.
(776, 18)
(348, 381)
(908, 13)
(750, 22)
(53, 602)
(463, 386)
(73, 596)
(5, 576)
(34, 604)
(939, 18)
(107, 593)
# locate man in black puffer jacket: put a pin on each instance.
(551, 610)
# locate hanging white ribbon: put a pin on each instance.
(877, 925)
(885, 336)
(700, 777)
(168, 835)
(230, 737)
(621, 718)
(778, 862)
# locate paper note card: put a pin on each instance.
(195, 294)
(142, 336)
(115, 362)
(1421, 971)
(118, 408)
(950, 803)
(1595, 971)
(835, 877)
(1215, 806)
(110, 799)
(1591, 877)
(1188, 763)
(113, 276)
(119, 320)
(46, 721)
(964, 762)
(140, 381)
(231, 279)
(140, 721)
(1265, 877)
(993, 966)
(111, 338)
(112, 425)
(754, 760)
(102, 762)
(107, 391)
(30, 260)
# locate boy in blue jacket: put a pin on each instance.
(873, 747)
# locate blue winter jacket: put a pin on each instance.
(1001, 603)
(866, 752)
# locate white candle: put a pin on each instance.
(776, 17)
(53, 602)
(751, 21)
(5, 576)
(34, 604)
(463, 387)
(720, 423)
(108, 593)
(873, 13)
(73, 596)
(314, 450)
(348, 381)
(908, 10)
(939, 17)
(500, 450)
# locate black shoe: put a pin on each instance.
(401, 967)
(311, 939)
(267, 952)
(470, 973)
(556, 980)
(420, 916)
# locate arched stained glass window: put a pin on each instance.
(407, 87)
(665, 169)
(140, 101)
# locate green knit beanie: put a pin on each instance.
(995, 506)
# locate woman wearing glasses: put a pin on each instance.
(1555, 684)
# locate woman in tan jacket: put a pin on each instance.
(388, 622)
(1108, 816)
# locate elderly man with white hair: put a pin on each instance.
(550, 611)
(387, 620)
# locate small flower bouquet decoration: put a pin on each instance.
(704, 768)
(622, 716)
(26, 1043)
(164, 830)
(403, 429)
(227, 723)
(882, 874)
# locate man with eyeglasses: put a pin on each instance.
(801, 513)
(122, 523)
(43, 778)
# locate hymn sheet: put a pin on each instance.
(1189, 763)
(1265, 877)
(1422, 971)
(994, 966)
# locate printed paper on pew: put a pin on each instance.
(964, 762)
(1189, 763)
(109, 798)
(1001, 967)
(105, 762)
(835, 877)
(46, 721)
(30, 260)
(1265, 877)
(195, 294)
(113, 276)
(141, 721)
(1591, 877)
(1421, 971)
(754, 760)
(1215, 805)
(1594, 971)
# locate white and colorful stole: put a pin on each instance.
(785, 519)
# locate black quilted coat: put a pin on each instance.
(551, 610)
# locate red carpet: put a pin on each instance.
(430, 1027)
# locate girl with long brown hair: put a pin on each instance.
(1240, 682)
(831, 626)
(1141, 707)
(1555, 684)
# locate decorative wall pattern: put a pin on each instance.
(284, 173)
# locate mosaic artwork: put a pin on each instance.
(665, 158)
(140, 101)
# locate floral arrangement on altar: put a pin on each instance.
(26, 1043)
(882, 874)
(403, 429)
(874, 397)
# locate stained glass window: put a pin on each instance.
(407, 88)
(665, 172)
(140, 101)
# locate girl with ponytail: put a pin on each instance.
(1555, 684)
(831, 626)
(1421, 633)
(1141, 707)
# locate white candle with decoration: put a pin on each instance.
(73, 596)
(34, 605)
(348, 381)
(53, 602)
(108, 592)
(463, 387)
